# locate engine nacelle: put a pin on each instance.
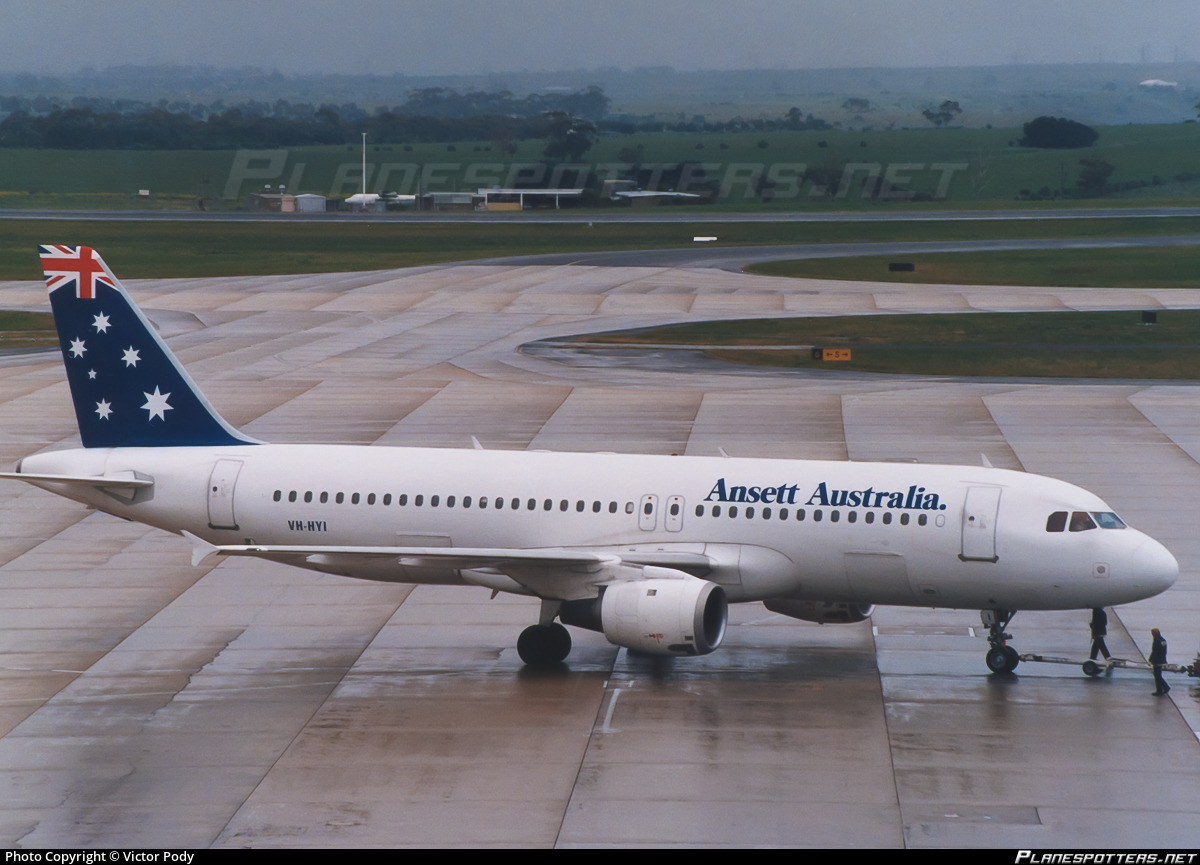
(656, 616)
(821, 612)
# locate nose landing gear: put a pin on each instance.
(1001, 658)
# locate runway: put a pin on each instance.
(147, 703)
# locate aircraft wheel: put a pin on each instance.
(1002, 659)
(544, 645)
(1091, 668)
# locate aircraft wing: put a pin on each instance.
(564, 574)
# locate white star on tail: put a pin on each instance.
(77, 348)
(131, 358)
(156, 404)
(101, 324)
(104, 409)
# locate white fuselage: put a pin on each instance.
(872, 533)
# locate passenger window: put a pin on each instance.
(870, 517)
(449, 501)
(596, 507)
(1081, 522)
(354, 499)
(887, 519)
(387, 498)
(612, 508)
(716, 512)
(699, 510)
(418, 500)
(324, 498)
(307, 496)
(1057, 521)
(402, 499)
(749, 513)
(904, 519)
(278, 495)
(766, 513)
(852, 517)
(922, 519)
(370, 498)
(292, 496)
(339, 498)
(816, 516)
(629, 507)
(733, 510)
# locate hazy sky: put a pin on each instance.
(448, 36)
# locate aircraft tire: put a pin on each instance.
(1002, 659)
(544, 645)
(1091, 668)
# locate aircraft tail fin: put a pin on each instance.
(128, 388)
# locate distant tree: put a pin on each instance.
(567, 136)
(1057, 132)
(1093, 176)
(945, 113)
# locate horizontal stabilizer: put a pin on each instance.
(126, 481)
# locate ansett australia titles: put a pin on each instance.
(93, 857)
(915, 498)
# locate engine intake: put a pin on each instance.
(656, 616)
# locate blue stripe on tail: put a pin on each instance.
(128, 388)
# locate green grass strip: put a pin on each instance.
(1033, 344)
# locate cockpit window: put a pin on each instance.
(1108, 520)
(1081, 522)
(1057, 521)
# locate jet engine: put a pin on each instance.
(821, 612)
(656, 616)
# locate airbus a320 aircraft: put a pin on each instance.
(648, 550)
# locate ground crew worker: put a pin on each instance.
(1099, 631)
(1158, 657)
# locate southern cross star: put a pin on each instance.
(156, 404)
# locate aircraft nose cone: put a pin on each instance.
(1153, 568)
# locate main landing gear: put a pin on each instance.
(1001, 657)
(546, 643)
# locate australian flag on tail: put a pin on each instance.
(128, 388)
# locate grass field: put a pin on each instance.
(990, 167)
(175, 249)
(1162, 267)
(1044, 344)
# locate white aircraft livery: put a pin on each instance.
(648, 550)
